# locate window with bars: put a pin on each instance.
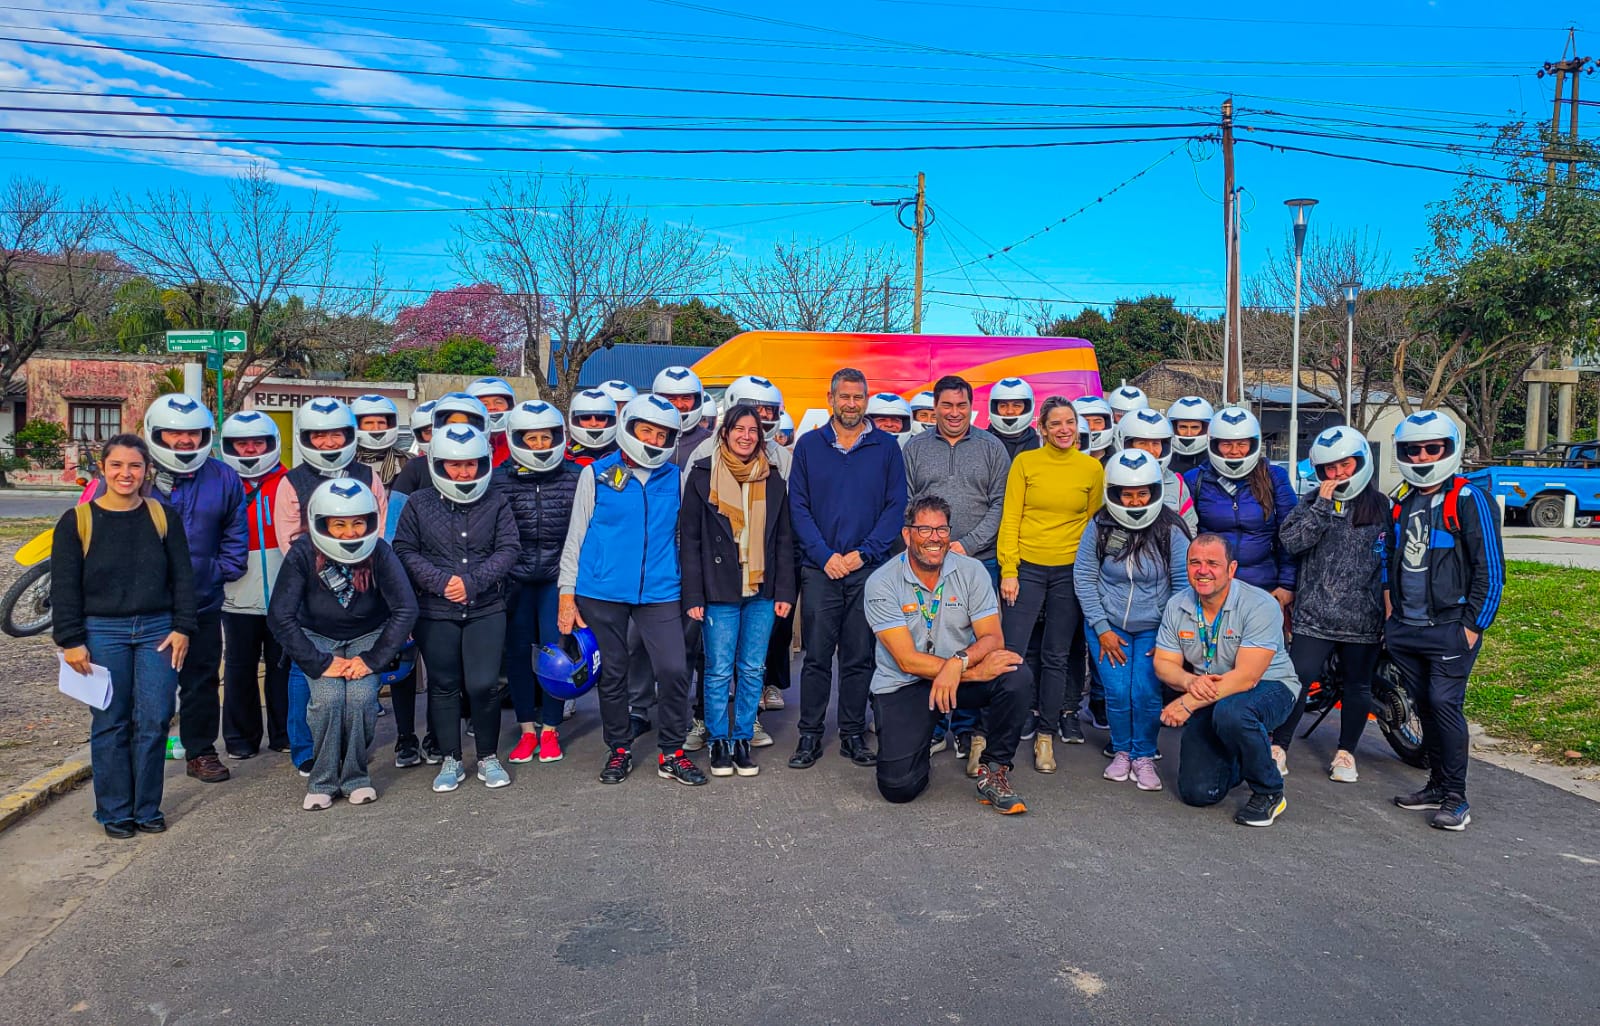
(95, 422)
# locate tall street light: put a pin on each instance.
(1301, 209)
(1352, 289)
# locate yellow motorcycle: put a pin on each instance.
(25, 607)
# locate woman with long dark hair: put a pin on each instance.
(1338, 606)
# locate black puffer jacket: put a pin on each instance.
(541, 500)
(1339, 589)
(709, 553)
(437, 539)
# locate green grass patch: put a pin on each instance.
(21, 529)
(1535, 680)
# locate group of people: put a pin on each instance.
(982, 589)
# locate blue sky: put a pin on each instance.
(996, 79)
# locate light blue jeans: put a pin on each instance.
(300, 747)
(1133, 694)
(735, 636)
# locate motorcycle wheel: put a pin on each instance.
(1397, 715)
(25, 608)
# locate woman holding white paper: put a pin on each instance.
(122, 597)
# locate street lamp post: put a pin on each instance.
(1301, 209)
(1352, 289)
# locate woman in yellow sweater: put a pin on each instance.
(1051, 494)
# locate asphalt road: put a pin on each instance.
(801, 898)
(34, 503)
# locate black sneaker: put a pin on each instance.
(1069, 731)
(679, 767)
(721, 759)
(1261, 810)
(994, 790)
(858, 750)
(406, 753)
(430, 751)
(617, 767)
(743, 764)
(806, 752)
(305, 767)
(1454, 814)
(1430, 797)
(963, 745)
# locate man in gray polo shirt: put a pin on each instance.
(940, 647)
(1221, 646)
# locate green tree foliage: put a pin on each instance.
(695, 323)
(458, 355)
(39, 443)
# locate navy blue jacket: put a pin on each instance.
(1263, 561)
(541, 500)
(843, 502)
(216, 522)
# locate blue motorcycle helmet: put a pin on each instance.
(570, 668)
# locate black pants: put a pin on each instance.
(199, 705)
(1435, 662)
(249, 642)
(403, 697)
(1048, 590)
(835, 622)
(463, 656)
(1356, 663)
(778, 652)
(905, 728)
(660, 629)
(642, 675)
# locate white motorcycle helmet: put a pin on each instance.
(1011, 390)
(452, 404)
(324, 413)
(1190, 407)
(621, 393)
(536, 415)
(1428, 426)
(649, 409)
(592, 403)
(1125, 399)
(1090, 439)
(1341, 443)
(887, 404)
(251, 424)
(786, 425)
(708, 409)
(459, 442)
(376, 406)
(178, 412)
(342, 497)
(1147, 425)
(920, 402)
(487, 386)
(751, 390)
(421, 420)
(1235, 423)
(673, 381)
(1133, 468)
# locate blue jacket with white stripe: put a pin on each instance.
(1466, 563)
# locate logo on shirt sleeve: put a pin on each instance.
(909, 607)
(1186, 635)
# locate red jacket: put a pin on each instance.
(251, 593)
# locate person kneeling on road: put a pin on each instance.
(1230, 634)
(940, 647)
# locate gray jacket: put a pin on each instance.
(1338, 595)
(970, 476)
(1129, 596)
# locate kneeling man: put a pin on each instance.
(1221, 645)
(940, 648)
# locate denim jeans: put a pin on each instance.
(128, 739)
(1133, 694)
(531, 621)
(1229, 741)
(300, 748)
(342, 715)
(735, 636)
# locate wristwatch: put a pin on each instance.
(966, 662)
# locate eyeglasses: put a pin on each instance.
(925, 532)
(1424, 448)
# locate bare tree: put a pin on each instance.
(808, 287)
(51, 272)
(262, 265)
(1015, 319)
(579, 268)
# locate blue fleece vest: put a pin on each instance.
(630, 553)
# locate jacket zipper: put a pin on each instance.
(644, 554)
(1126, 613)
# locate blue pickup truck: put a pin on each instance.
(1535, 493)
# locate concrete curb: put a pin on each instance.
(42, 789)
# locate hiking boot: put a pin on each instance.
(994, 790)
(208, 769)
(1454, 814)
(1044, 754)
(975, 756)
(721, 758)
(1430, 797)
(1261, 810)
(1145, 777)
(618, 766)
(679, 767)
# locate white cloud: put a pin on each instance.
(414, 187)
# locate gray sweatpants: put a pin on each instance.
(342, 715)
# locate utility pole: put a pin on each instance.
(921, 232)
(1232, 343)
(886, 304)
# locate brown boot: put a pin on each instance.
(1044, 753)
(975, 756)
(208, 769)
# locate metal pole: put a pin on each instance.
(220, 418)
(1294, 372)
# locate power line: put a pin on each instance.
(978, 9)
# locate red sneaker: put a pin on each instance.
(525, 749)
(549, 746)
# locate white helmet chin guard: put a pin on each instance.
(251, 424)
(1149, 426)
(376, 406)
(536, 415)
(421, 420)
(921, 402)
(649, 409)
(675, 381)
(887, 404)
(1133, 468)
(324, 414)
(1428, 426)
(1093, 439)
(1232, 424)
(342, 497)
(1011, 390)
(482, 388)
(1190, 408)
(1340, 443)
(459, 442)
(178, 412)
(592, 403)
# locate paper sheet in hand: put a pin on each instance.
(93, 690)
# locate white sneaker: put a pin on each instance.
(1281, 757)
(1343, 769)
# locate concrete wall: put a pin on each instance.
(56, 380)
(432, 386)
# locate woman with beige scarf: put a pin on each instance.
(737, 553)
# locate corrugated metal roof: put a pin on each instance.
(636, 363)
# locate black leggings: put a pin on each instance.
(463, 655)
(1357, 662)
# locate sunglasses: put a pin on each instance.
(924, 532)
(1424, 448)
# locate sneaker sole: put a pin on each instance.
(494, 786)
(756, 742)
(1143, 788)
(446, 790)
(1455, 828)
(553, 758)
(716, 771)
(1423, 807)
(663, 774)
(747, 771)
(1013, 810)
(431, 761)
(1337, 779)
(1118, 780)
(1278, 810)
(401, 762)
(690, 746)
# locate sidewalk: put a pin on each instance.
(1560, 547)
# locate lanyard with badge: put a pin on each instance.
(1209, 634)
(928, 606)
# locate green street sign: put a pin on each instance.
(191, 341)
(234, 342)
